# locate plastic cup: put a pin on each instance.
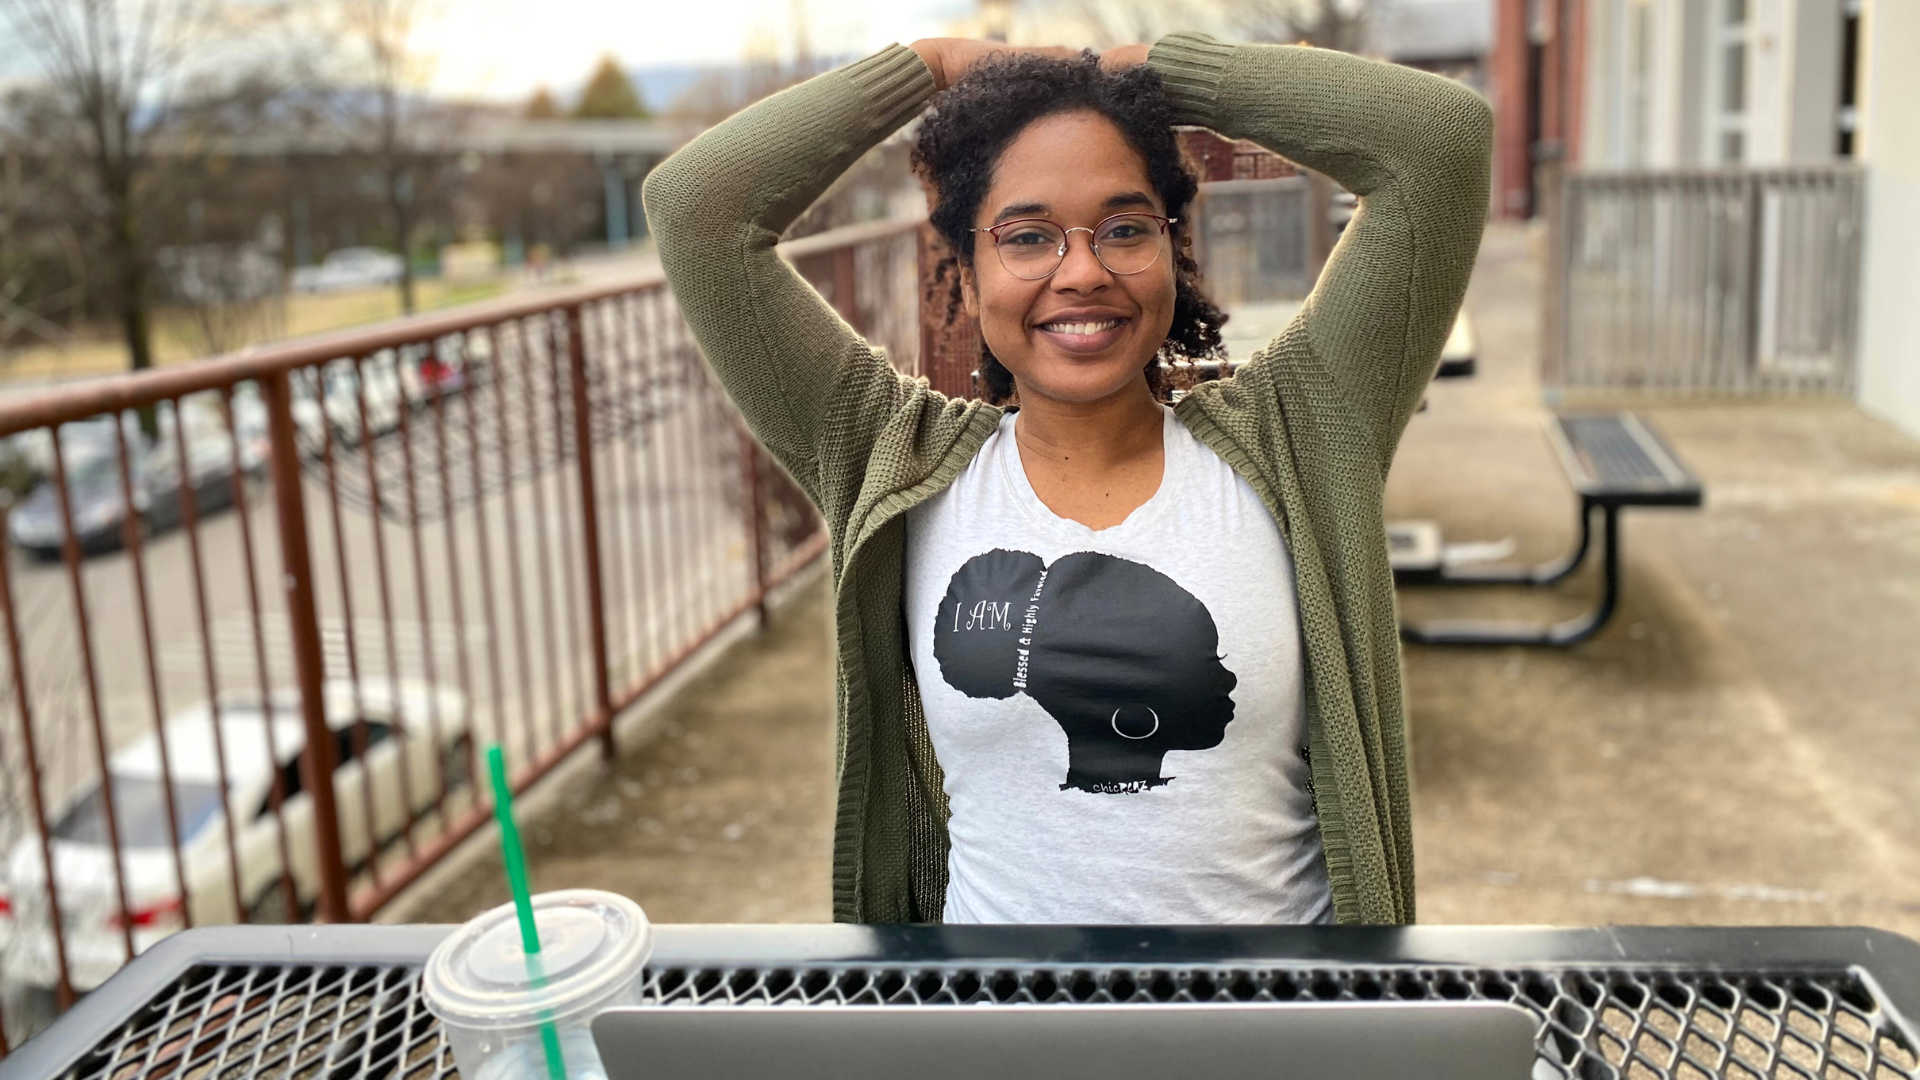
(593, 947)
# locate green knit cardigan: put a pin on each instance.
(1310, 423)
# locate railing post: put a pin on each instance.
(590, 530)
(1320, 234)
(845, 287)
(1556, 192)
(756, 519)
(23, 707)
(949, 339)
(1755, 203)
(928, 284)
(303, 618)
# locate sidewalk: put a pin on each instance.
(1740, 745)
(725, 814)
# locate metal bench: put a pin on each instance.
(1613, 460)
(1457, 355)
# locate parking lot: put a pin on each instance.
(500, 637)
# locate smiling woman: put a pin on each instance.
(995, 147)
(1101, 660)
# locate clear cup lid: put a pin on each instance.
(592, 944)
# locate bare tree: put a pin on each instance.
(723, 91)
(112, 68)
(383, 85)
(1328, 24)
(134, 97)
(229, 294)
(766, 69)
(1103, 24)
(44, 270)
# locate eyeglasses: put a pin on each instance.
(1033, 248)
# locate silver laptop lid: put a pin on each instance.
(1304, 1041)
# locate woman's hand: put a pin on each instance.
(951, 58)
(1124, 56)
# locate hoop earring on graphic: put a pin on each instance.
(1116, 724)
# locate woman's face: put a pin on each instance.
(1075, 169)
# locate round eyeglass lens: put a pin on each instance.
(1128, 244)
(1031, 249)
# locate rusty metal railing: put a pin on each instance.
(1705, 281)
(263, 609)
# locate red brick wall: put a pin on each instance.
(1523, 113)
(1217, 158)
(1507, 89)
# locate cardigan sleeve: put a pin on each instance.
(798, 373)
(1414, 147)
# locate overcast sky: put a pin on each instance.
(505, 48)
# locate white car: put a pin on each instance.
(337, 405)
(349, 268)
(398, 718)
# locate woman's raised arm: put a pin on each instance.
(1414, 147)
(718, 206)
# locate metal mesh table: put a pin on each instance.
(343, 1002)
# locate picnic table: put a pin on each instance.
(344, 1001)
(1613, 460)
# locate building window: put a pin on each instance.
(1848, 118)
(1729, 117)
(1639, 103)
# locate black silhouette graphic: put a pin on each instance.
(1122, 657)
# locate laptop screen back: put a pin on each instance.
(1432, 1041)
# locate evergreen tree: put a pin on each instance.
(542, 106)
(609, 96)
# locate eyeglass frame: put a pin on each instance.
(1066, 235)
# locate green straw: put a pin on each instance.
(522, 900)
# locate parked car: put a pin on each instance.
(399, 720)
(1344, 205)
(337, 405)
(98, 500)
(349, 268)
(34, 446)
(219, 273)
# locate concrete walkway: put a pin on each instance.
(721, 812)
(1741, 745)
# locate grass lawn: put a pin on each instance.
(99, 352)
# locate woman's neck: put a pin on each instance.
(1093, 462)
(1091, 436)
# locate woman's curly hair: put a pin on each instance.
(970, 125)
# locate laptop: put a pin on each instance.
(1286, 1041)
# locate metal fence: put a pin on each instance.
(282, 598)
(1723, 281)
(1255, 239)
(367, 556)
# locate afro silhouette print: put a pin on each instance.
(1124, 659)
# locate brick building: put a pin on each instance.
(1535, 73)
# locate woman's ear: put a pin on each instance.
(969, 292)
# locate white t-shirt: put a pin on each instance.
(1119, 713)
